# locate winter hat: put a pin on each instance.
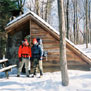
(34, 41)
(26, 42)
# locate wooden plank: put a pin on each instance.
(7, 68)
(3, 60)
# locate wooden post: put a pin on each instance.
(6, 72)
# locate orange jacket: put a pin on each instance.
(24, 51)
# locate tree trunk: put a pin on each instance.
(74, 4)
(77, 38)
(89, 21)
(63, 60)
(37, 8)
(42, 13)
(87, 30)
(47, 9)
(67, 14)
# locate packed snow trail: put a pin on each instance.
(79, 81)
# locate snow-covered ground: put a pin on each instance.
(78, 81)
(86, 50)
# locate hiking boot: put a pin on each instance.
(18, 75)
(33, 76)
(27, 75)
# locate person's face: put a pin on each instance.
(26, 43)
(35, 42)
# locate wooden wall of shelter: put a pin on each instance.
(52, 46)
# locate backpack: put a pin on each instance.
(41, 45)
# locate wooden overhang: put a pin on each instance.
(30, 15)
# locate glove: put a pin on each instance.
(20, 59)
(40, 58)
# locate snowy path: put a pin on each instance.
(79, 81)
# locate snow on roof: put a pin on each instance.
(27, 12)
(86, 50)
(89, 56)
(18, 18)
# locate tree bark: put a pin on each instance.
(37, 8)
(47, 9)
(89, 21)
(63, 60)
(87, 30)
(67, 14)
(76, 11)
(74, 26)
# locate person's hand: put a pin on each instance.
(40, 58)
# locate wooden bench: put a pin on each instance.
(5, 68)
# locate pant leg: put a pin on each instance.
(35, 63)
(27, 66)
(40, 66)
(20, 67)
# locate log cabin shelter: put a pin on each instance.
(30, 24)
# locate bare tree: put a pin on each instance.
(74, 24)
(21, 4)
(77, 26)
(47, 9)
(90, 21)
(67, 14)
(37, 8)
(63, 60)
(87, 30)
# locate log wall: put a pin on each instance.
(51, 44)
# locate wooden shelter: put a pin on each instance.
(29, 24)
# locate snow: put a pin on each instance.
(78, 81)
(80, 48)
(87, 51)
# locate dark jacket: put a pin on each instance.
(36, 52)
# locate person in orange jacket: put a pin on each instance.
(24, 54)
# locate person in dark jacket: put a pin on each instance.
(36, 57)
